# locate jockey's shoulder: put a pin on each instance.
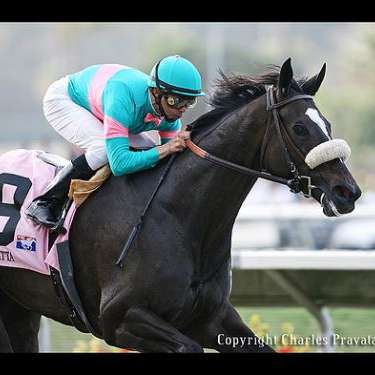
(129, 82)
(131, 77)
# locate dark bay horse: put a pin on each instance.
(172, 295)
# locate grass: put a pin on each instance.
(349, 323)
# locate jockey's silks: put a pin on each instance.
(119, 97)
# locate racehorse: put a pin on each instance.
(172, 293)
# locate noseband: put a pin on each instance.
(298, 183)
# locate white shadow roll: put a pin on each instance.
(327, 151)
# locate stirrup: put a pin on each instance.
(30, 214)
(59, 226)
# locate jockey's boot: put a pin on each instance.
(47, 208)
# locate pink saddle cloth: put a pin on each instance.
(24, 244)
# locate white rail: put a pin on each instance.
(303, 259)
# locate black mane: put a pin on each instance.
(236, 90)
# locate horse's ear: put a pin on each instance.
(285, 78)
(311, 86)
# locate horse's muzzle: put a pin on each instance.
(340, 201)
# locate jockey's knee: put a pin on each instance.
(96, 158)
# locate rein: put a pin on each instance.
(136, 228)
(297, 183)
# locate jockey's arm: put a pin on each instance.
(119, 109)
(172, 138)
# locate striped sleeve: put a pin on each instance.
(119, 112)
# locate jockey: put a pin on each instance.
(105, 110)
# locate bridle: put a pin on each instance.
(298, 183)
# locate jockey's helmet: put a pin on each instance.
(177, 75)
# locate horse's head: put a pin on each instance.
(308, 140)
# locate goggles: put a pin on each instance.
(178, 102)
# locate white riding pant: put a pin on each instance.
(80, 127)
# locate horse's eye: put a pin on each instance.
(300, 130)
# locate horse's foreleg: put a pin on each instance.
(143, 331)
(227, 333)
(5, 346)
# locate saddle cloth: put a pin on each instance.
(24, 175)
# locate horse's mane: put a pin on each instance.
(235, 90)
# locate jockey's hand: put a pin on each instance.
(177, 144)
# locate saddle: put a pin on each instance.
(63, 281)
(24, 175)
(80, 190)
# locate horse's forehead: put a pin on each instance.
(314, 115)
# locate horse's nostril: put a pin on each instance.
(343, 192)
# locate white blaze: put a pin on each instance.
(314, 116)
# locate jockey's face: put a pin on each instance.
(171, 112)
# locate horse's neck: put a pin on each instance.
(237, 139)
(210, 195)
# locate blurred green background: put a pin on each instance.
(348, 322)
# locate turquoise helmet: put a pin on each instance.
(178, 75)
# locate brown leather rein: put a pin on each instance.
(297, 183)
